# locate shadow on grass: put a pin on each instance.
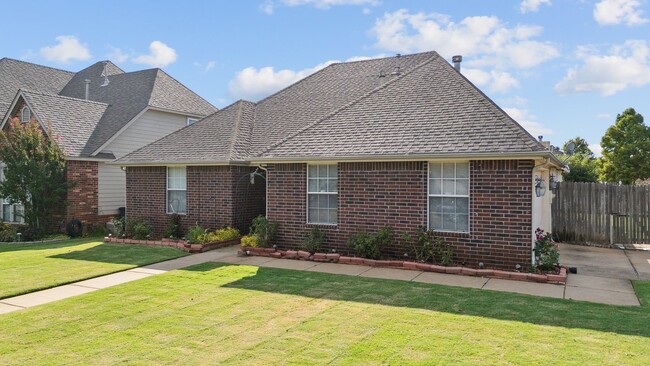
(454, 300)
(123, 254)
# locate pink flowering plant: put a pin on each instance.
(547, 255)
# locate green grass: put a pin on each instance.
(245, 315)
(29, 267)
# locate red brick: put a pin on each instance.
(291, 254)
(468, 271)
(333, 257)
(410, 265)
(303, 254)
(453, 270)
(518, 276)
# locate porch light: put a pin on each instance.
(540, 186)
(552, 183)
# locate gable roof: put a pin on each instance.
(348, 111)
(126, 96)
(71, 119)
(15, 75)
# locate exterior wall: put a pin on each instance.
(216, 196)
(149, 127)
(83, 196)
(372, 195)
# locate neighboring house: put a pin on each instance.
(402, 141)
(100, 113)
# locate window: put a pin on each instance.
(25, 115)
(191, 121)
(10, 213)
(177, 190)
(322, 192)
(449, 197)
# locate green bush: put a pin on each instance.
(174, 229)
(425, 246)
(194, 233)
(315, 239)
(224, 234)
(8, 232)
(250, 241)
(547, 256)
(119, 226)
(138, 229)
(370, 245)
(264, 230)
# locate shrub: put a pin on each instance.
(370, 245)
(194, 233)
(249, 241)
(315, 238)
(264, 230)
(119, 226)
(95, 230)
(219, 235)
(138, 229)
(425, 246)
(174, 229)
(547, 255)
(8, 233)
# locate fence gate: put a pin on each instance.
(601, 213)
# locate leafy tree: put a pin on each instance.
(626, 149)
(35, 170)
(582, 164)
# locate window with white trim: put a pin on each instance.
(191, 121)
(25, 115)
(10, 212)
(177, 190)
(322, 194)
(449, 197)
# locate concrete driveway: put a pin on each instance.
(604, 274)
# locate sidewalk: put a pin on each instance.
(614, 291)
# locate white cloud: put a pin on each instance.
(604, 116)
(68, 48)
(496, 81)
(209, 66)
(596, 149)
(160, 55)
(486, 40)
(624, 66)
(612, 12)
(532, 6)
(117, 55)
(528, 121)
(268, 6)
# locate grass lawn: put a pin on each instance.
(229, 314)
(30, 267)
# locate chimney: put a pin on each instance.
(87, 87)
(457, 60)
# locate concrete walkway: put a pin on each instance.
(603, 276)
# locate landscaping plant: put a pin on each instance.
(224, 234)
(139, 229)
(174, 229)
(370, 245)
(194, 233)
(314, 241)
(547, 256)
(119, 226)
(250, 241)
(264, 230)
(425, 246)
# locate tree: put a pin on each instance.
(626, 149)
(583, 166)
(35, 171)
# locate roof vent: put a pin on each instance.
(457, 60)
(87, 81)
(105, 74)
(397, 71)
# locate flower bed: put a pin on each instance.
(559, 278)
(180, 244)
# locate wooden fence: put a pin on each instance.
(601, 213)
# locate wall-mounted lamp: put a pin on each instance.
(123, 168)
(553, 184)
(540, 186)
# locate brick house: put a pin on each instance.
(404, 141)
(100, 113)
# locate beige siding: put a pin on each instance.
(151, 126)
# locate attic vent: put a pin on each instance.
(457, 60)
(105, 75)
(397, 71)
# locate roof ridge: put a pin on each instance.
(235, 129)
(35, 64)
(183, 85)
(434, 56)
(62, 97)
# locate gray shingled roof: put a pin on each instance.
(346, 110)
(126, 95)
(72, 119)
(15, 75)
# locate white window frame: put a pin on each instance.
(23, 114)
(468, 195)
(167, 189)
(322, 193)
(12, 208)
(191, 120)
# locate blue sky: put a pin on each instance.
(561, 68)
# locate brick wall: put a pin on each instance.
(372, 195)
(83, 197)
(216, 196)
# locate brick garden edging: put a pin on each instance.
(426, 267)
(180, 244)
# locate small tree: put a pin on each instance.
(35, 170)
(626, 149)
(583, 165)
